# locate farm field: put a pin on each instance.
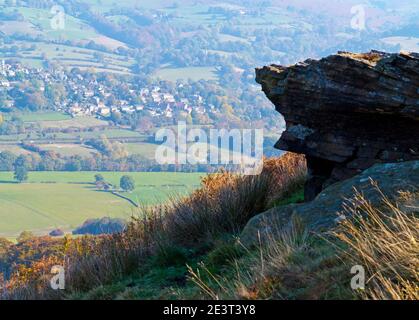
(193, 73)
(58, 120)
(40, 18)
(79, 122)
(39, 116)
(147, 150)
(69, 149)
(66, 55)
(66, 199)
(15, 149)
(75, 136)
(79, 32)
(230, 38)
(90, 127)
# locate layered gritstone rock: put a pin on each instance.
(347, 112)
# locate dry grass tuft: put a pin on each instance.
(385, 241)
(227, 201)
(296, 264)
(258, 275)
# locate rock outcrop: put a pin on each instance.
(347, 112)
(327, 209)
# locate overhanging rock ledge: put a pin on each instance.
(346, 112)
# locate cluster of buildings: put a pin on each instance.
(92, 97)
(154, 100)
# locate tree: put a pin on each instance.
(104, 225)
(32, 100)
(116, 117)
(73, 165)
(4, 247)
(100, 182)
(21, 172)
(24, 236)
(55, 92)
(127, 183)
(7, 160)
(99, 178)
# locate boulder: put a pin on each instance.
(326, 210)
(347, 112)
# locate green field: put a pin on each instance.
(75, 136)
(69, 149)
(39, 116)
(230, 38)
(66, 199)
(79, 122)
(193, 73)
(57, 120)
(73, 28)
(147, 150)
(37, 22)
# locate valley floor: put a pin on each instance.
(65, 200)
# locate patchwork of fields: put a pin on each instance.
(193, 73)
(70, 142)
(68, 136)
(78, 32)
(66, 199)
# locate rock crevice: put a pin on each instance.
(347, 112)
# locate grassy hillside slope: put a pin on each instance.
(191, 249)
